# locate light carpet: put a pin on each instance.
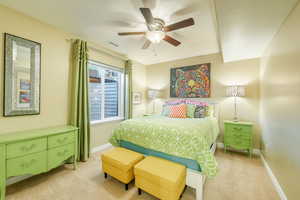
(239, 178)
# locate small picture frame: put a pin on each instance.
(136, 97)
(22, 61)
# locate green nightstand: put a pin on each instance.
(238, 135)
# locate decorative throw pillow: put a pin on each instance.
(178, 111)
(165, 110)
(200, 111)
(190, 110)
(196, 102)
(175, 102)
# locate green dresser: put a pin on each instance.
(35, 151)
(238, 135)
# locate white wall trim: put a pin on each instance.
(274, 179)
(101, 148)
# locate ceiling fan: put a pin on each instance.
(157, 29)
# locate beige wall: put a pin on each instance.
(280, 105)
(55, 78)
(54, 71)
(139, 85)
(244, 72)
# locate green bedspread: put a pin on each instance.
(188, 138)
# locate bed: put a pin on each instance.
(189, 141)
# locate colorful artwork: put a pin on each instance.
(24, 97)
(24, 84)
(190, 81)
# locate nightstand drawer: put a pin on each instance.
(238, 128)
(26, 147)
(242, 135)
(243, 141)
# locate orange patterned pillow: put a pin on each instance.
(178, 111)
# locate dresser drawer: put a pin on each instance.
(57, 155)
(59, 140)
(25, 147)
(31, 164)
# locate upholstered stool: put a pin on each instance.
(161, 178)
(119, 162)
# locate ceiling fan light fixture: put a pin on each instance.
(155, 36)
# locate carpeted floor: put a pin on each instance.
(240, 178)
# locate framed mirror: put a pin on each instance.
(22, 61)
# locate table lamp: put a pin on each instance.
(235, 91)
(153, 94)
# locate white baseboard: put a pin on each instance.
(273, 179)
(101, 148)
(255, 151)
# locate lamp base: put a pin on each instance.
(235, 119)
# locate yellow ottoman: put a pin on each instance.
(119, 162)
(161, 178)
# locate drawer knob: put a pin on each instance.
(28, 164)
(62, 153)
(27, 148)
(61, 140)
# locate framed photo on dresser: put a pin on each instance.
(22, 76)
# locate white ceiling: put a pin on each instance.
(245, 26)
(99, 21)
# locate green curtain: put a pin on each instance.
(128, 85)
(80, 106)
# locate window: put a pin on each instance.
(106, 92)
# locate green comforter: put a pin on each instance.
(188, 138)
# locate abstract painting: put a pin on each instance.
(190, 81)
(22, 60)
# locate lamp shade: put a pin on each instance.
(235, 91)
(153, 94)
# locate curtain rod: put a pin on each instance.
(104, 50)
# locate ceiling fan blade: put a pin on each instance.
(146, 44)
(131, 33)
(179, 25)
(171, 41)
(147, 15)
